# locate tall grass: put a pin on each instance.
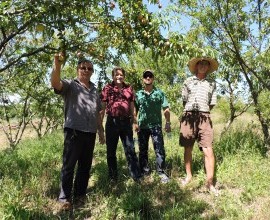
(29, 178)
(29, 183)
(243, 170)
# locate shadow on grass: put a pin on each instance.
(124, 199)
(29, 175)
(148, 200)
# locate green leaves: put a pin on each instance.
(235, 32)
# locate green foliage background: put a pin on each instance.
(162, 37)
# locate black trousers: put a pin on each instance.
(78, 149)
(115, 128)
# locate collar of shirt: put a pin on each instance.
(90, 83)
(148, 93)
(207, 78)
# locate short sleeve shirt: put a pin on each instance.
(81, 105)
(117, 99)
(199, 94)
(149, 107)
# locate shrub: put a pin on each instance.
(239, 140)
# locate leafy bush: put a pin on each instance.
(239, 140)
(224, 106)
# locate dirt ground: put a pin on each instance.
(3, 140)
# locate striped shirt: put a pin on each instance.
(199, 94)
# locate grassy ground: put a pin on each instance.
(29, 182)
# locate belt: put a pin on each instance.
(77, 131)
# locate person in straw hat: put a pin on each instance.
(199, 97)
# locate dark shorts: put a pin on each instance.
(196, 126)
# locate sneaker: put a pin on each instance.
(164, 178)
(146, 171)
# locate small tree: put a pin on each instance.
(238, 30)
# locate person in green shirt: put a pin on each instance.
(148, 105)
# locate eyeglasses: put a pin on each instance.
(146, 76)
(85, 68)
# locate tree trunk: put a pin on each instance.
(265, 130)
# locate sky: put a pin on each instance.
(185, 22)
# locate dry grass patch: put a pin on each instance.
(262, 208)
(29, 133)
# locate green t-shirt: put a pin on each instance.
(149, 107)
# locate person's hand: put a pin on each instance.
(168, 127)
(136, 127)
(59, 59)
(101, 137)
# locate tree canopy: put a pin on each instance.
(127, 33)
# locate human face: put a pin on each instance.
(203, 66)
(85, 71)
(148, 79)
(118, 77)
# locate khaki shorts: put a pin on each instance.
(196, 126)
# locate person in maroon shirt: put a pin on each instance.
(117, 99)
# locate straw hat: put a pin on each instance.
(192, 64)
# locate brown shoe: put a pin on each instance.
(80, 201)
(66, 206)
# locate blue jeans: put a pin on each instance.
(158, 142)
(78, 148)
(120, 127)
